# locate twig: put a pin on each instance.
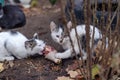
(83, 73)
(94, 20)
(87, 23)
(74, 25)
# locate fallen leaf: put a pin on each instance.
(55, 68)
(64, 78)
(73, 67)
(34, 3)
(95, 71)
(11, 64)
(78, 70)
(73, 74)
(1, 67)
(79, 77)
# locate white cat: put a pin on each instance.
(14, 44)
(58, 35)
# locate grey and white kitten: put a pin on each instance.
(58, 35)
(15, 44)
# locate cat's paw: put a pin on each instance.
(8, 58)
(58, 55)
(58, 61)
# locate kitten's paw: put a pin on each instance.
(58, 55)
(8, 58)
(58, 61)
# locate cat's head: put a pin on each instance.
(58, 33)
(35, 45)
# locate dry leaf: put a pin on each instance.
(11, 64)
(64, 78)
(79, 77)
(55, 68)
(1, 67)
(73, 74)
(74, 66)
(95, 71)
(79, 72)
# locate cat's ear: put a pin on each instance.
(52, 26)
(69, 25)
(35, 36)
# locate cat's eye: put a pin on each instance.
(57, 36)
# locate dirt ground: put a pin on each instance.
(37, 67)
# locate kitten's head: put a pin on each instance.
(57, 33)
(35, 45)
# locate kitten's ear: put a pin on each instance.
(35, 36)
(52, 26)
(69, 25)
